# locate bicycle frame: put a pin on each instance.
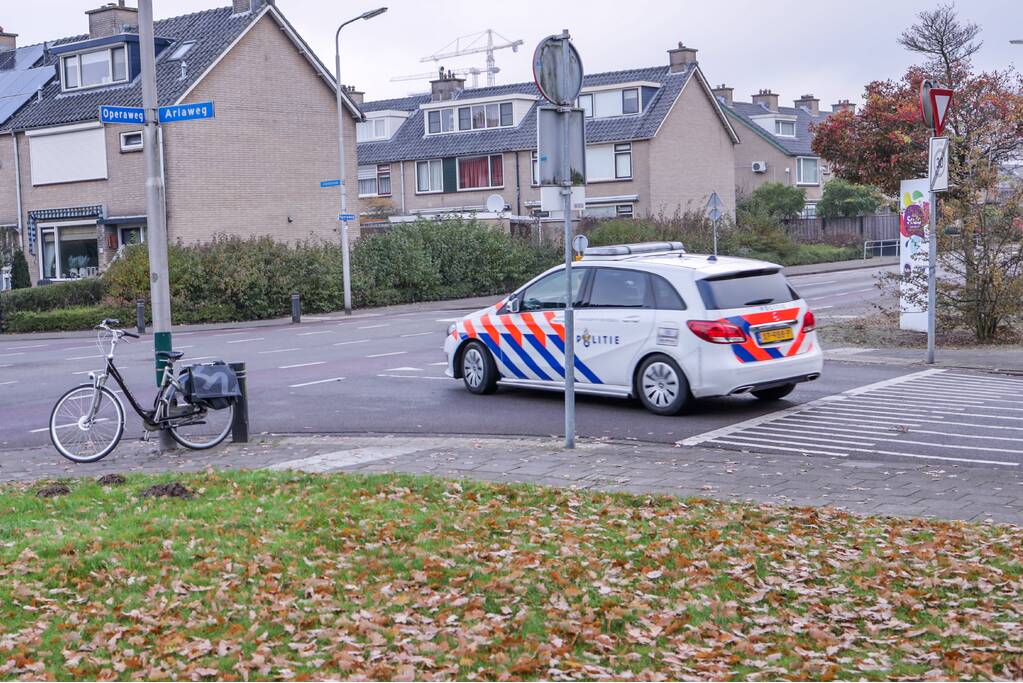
(159, 416)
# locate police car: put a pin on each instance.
(651, 322)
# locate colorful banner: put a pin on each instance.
(914, 232)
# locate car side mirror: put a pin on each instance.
(513, 304)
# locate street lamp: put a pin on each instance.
(345, 260)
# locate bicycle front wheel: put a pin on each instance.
(204, 429)
(79, 438)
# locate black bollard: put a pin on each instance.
(240, 420)
(296, 308)
(140, 315)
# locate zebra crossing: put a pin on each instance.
(936, 415)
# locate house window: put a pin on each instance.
(624, 210)
(785, 128)
(609, 162)
(586, 104)
(479, 173)
(91, 69)
(429, 176)
(375, 181)
(474, 117)
(374, 129)
(133, 234)
(67, 154)
(535, 165)
(131, 141)
(479, 117)
(433, 122)
(630, 101)
(464, 118)
(68, 252)
(506, 113)
(623, 160)
(807, 171)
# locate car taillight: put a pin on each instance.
(809, 322)
(717, 332)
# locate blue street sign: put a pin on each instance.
(330, 183)
(108, 114)
(346, 216)
(186, 112)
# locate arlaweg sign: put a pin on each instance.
(187, 112)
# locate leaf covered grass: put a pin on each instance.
(287, 575)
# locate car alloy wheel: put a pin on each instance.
(660, 384)
(473, 368)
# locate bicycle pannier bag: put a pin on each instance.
(214, 385)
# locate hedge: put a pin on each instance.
(66, 319)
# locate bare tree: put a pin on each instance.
(946, 42)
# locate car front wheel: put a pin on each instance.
(661, 386)
(479, 372)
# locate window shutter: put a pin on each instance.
(450, 175)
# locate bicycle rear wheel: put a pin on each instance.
(75, 436)
(204, 430)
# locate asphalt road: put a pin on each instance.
(382, 372)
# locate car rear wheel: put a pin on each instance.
(479, 372)
(774, 393)
(661, 386)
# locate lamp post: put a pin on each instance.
(345, 260)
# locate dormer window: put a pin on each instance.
(94, 68)
(472, 117)
(605, 102)
(785, 129)
(630, 101)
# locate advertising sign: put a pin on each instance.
(914, 231)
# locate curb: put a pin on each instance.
(841, 266)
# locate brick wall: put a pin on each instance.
(255, 169)
(8, 198)
(781, 167)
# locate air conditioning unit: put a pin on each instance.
(760, 167)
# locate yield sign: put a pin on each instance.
(941, 103)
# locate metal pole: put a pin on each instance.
(156, 208)
(716, 221)
(346, 276)
(296, 308)
(140, 315)
(566, 197)
(240, 419)
(932, 277)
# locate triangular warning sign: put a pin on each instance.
(941, 104)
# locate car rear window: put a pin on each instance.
(748, 288)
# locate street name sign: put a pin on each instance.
(937, 164)
(330, 183)
(187, 112)
(346, 216)
(109, 114)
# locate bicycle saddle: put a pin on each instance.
(169, 355)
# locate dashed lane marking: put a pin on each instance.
(242, 341)
(279, 350)
(301, 365)
(316, 381)
(417, 334)
(306, 334)
(385, 374)
(382, 355)
(354, 341)
(29, 346)
(373, 327)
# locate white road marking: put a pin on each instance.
(301, 365)
(448, 320)
(381, 355)
(6, 365)
(817, 282)
(821, 308)
(417, 334)
(372, 327)
(83, 372)
(851, 291)
(848, 350)
(30, 346)
(201, 358)
(72, 348)
(187, 346)
(404, 369)
(317, 381)
(279, 350)
(356, 341)
(326, 462)
(441, 363)
(98, 355)
(766, 432)
(780, 448)
(229, 334)
(797, 431)
(13, 381)
(6, 355)
(446, 379)
(242, 341)
(306, 334)
(860, 429)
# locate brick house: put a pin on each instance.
(75, 188)
(656, 141)
(776, 143)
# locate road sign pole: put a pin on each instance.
(932, 277)
(566, 197)
(346, 275)
(156, 210)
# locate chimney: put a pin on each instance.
(724, 93)
(111, 19)
(810, 103)
(681, 57)
(843, 105)
(356, 96)
(445, 86)
(767, 99)
(8, 41)
(243, 6)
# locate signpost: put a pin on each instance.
(714, 205)
(935, 105)
(558, 72)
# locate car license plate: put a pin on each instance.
(781, 334)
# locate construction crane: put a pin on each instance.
(473, 71)
(476, 43)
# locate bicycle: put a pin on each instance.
(87, 422)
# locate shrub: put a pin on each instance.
(84, 292)
(842, 198)
(777, 200)
(20, 279)
(64, 319)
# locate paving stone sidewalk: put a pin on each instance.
(943, 491)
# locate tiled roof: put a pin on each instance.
(799, 145)
(212, 30)
(411, 142)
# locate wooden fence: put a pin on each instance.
(882, 226)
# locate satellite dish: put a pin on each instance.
(495, 203)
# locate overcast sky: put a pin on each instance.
(827, 48)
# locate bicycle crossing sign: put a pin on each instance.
(937, 164)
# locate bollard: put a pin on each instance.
(240, 419)
(296, 308)
(140, 315)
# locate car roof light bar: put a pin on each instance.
(634, 249)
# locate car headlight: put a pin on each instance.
(451, 328)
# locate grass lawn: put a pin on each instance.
(282, 575)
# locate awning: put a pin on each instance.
(123, 220)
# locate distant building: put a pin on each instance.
(656, 141)
(776, 143)
(74, 189)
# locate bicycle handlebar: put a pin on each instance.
(129, 334)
